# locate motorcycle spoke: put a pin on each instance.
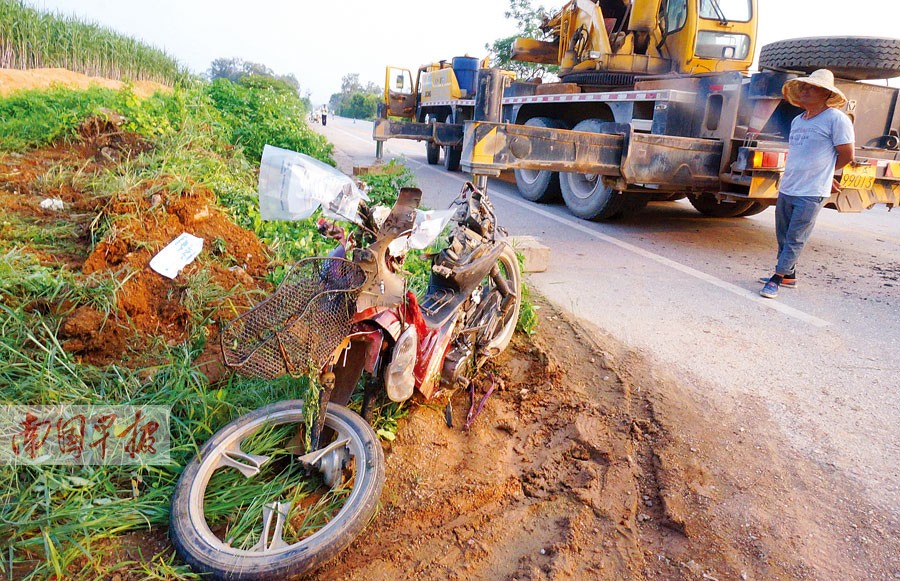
(330, 461)
(273, 540)
(247, 464)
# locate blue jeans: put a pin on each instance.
(794, 220)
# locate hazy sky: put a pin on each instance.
(320, 42)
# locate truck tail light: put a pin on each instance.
(769, 159)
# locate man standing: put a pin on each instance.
(821, 141)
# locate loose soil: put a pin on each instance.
(12, 80)
(588, 463)
(592, 464)
(138, 222)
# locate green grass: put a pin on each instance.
(58, 520)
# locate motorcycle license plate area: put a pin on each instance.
(858, 177)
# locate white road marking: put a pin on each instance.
(683, 268)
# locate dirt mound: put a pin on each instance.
(139, 221)
(12, 80)
(589, 465)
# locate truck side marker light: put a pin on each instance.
(769, 159)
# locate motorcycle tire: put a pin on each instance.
(497, 334)
(205, 552)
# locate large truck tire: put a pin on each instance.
(587, 197)
(856, 58)
(432, 152)
(708, 205)
(452, 154)
(432, 149)
(754, 209)
(541, 186)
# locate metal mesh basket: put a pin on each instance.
(297, 328)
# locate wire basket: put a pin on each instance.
(297, 329)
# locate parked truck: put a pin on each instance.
(656, 101)
(432, 107)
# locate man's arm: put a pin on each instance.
(844, 155)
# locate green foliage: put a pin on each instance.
(35, 118)
(236, 69)
(259, 117)
(528, 19)
(360, 106)
(30, 39)
(266, 83)
(528, 319)
(382, 187)
(355, 100)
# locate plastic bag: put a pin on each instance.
(292, 185)
(428, 226)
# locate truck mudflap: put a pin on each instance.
(638, 158)
(439, 133)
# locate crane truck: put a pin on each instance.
(432, 107)
(656, 101)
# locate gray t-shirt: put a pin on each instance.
(809, 168)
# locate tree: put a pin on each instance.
(529, 20)
(355, 100)
(350, 83)
(235, 69)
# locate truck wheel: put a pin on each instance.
(753, 210)
(849, 57)
(432, 149)
(432, 152)
(452, 156)
(708, 205)
(587, 197)
(541, 186)
(666, 197)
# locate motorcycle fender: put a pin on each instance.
(360, 352)
(390, 321)
(431, 358)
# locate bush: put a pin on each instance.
(259, 115)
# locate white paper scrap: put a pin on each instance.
(54, 204)
(176, 255)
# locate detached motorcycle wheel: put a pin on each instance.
(246, 473)
(499, 321)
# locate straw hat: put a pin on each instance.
(820, 78)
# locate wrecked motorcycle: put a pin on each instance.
(346, 319)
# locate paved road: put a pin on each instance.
(681, 288)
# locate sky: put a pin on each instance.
(321, 42)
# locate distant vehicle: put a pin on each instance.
(430, 108)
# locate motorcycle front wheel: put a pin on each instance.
(498, 315)
(251, 505)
